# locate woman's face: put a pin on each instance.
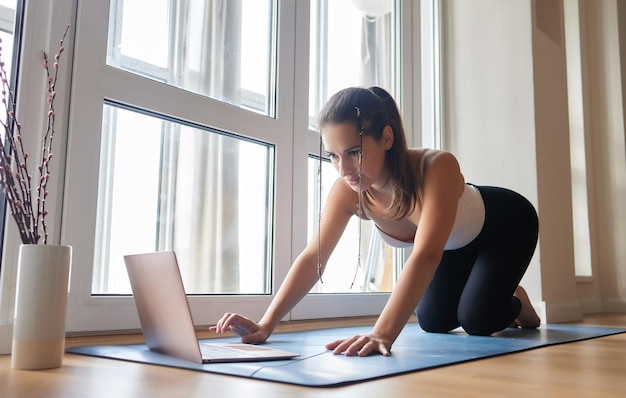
(343, 146)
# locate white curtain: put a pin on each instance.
(205, 230)
(382, 263)
(377, 51)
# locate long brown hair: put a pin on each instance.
(377, 109)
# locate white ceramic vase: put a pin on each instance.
(41, 306)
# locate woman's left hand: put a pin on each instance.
(361, 345)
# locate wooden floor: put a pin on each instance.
(591, 368)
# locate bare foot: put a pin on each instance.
(527, 317)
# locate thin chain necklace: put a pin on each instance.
(359, 205)
(319, 215)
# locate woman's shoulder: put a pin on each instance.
(342, 198)
(422, 158)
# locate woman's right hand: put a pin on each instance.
(249, 330)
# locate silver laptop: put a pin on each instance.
(166, 320)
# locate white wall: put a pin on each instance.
(506, 119)
(488, 95)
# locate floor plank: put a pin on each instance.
(591, 368)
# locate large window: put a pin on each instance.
(207, 194)
(352, 43)
(196, 132)
(200, 191)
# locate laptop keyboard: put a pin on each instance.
(214, 351)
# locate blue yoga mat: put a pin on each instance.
(413, 350)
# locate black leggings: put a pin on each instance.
(473, 286)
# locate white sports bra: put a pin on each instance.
(470, 217)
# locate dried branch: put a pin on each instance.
(15, 178)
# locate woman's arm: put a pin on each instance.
(443, 185)
(303, 274)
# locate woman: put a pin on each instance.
(471, 245)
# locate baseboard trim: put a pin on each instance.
(591, 306)
(617, 306)
(6, 336)
(564, 311)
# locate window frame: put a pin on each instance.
(333, 305)
(126, 88)
(74, 189)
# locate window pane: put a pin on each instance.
(165, 185)
(7, 20)
(353, 43)
(7, 57)
(220, 48)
